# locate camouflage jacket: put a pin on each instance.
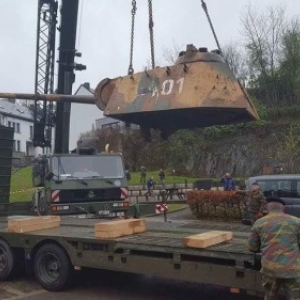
(276, 236)
(257, 201)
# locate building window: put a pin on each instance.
(18, 127)
(17, 146)
(14, 126)
(31, 132)
(9, 124)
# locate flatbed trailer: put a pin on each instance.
(53, 254)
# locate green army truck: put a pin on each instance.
(84, 183)
(81, 184)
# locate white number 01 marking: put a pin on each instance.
(168, 86)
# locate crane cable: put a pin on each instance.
(133, 12)
(151, 24)
(204, 6)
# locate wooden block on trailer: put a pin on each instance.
(140, 228)
(33, 227)
(28, 224)
(119, 228)
(113, 233)
(118, 224)
(207, 239)
(31, 220)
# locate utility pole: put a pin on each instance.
(66, 76)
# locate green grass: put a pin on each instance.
(21, 180)
(175, 207)
(170, 179)
(135, 178)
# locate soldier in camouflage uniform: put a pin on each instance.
(256, 200)
(276, 236)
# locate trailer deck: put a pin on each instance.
(159, 251)
(161, 237)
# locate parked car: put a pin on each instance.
(285, 186)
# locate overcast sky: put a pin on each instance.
(104, 36)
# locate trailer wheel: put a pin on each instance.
(52, 268)
(7, 261)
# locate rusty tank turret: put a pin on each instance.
(200, 90)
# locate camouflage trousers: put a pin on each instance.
(291, 287)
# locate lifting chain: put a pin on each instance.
(133, 12)
(151, 24)
(204, 6)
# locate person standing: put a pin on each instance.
(277, 236)
(143, 175)
(256, 202)
(150, 186)
(228, 182)
(162, 177)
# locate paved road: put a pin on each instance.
(181, 215)
(95, 285)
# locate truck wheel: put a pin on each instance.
(7, 261)
(52, 268)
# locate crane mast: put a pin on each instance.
(46, 114)
(44, 111)
(66, 68)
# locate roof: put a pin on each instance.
(279, 176)
(84, 89)
(15, 110)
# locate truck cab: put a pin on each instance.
(81, 184)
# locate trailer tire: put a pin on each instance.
(7, 261)
(52, 268)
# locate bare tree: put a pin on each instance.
(170, 55)
(290, 62)
(111, 136)
(236, 58)
(288, 150)
(263, 34)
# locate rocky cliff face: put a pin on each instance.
(243, 154)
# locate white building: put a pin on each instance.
(83, 116)
(21, 119)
